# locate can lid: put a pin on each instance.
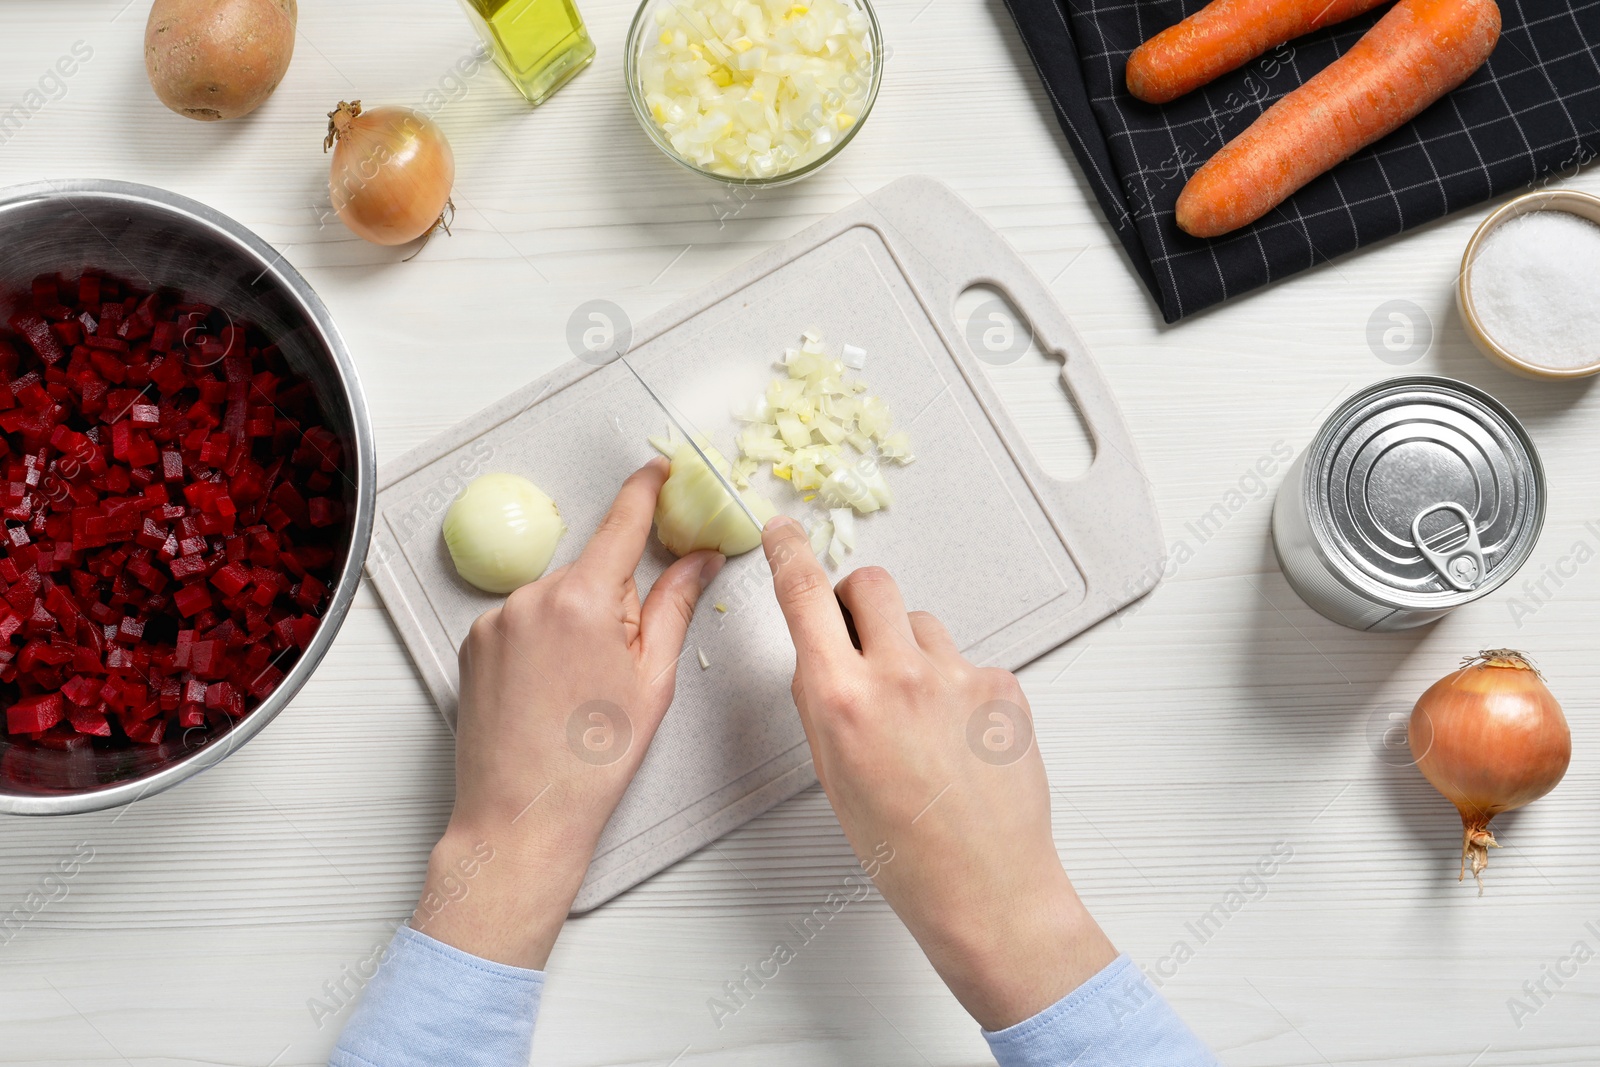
(1425, 492)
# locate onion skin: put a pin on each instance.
(391, 173)
(1490, 737)
(218, 59)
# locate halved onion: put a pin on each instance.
(695, 511)
(501, 532)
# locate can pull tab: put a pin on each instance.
(1461, 565)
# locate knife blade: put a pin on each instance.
(690, 437)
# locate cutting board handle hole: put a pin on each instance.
(1027, 379)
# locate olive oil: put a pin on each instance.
(539, 44)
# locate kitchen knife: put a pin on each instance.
(690, 437)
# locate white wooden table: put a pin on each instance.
(1217, 720)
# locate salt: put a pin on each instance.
(1536, 288)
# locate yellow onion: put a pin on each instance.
(391, 174)
(694, 511)
(1491, 738)
(501, 532)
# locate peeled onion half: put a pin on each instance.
(502, 531)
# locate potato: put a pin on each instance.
(218, 59)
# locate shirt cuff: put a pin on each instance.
(430, 1003)
(1115, 1019)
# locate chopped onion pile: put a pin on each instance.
(801, 425)
(756, 88)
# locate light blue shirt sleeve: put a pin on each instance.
(431, 1004)
(1115, 1019)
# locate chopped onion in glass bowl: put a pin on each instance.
(753, 92)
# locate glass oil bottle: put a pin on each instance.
(539, 44)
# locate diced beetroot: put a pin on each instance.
(151, 535)
(107, 345)
(89, 529)
(46, 291)
(34, 715)
(310, 593)
(147, 574)
(153, 468)
(162, 338)
(139, 713)
(149, 732)
(265, 681)
(194, 691)
(287, 497)
(89, 722)
(276, 518)
(111, 315)
(305, 628)
(32, 396)
(231, 579)
(324, 511)
(142, 321)
(227, 633)
(319, 446)
(266, 589)
(81, 691)
(69, 334)
(212, 524)
(142, 452)
(37, 333)
(63, 739)
(206, 658)
(191, 599)
(190, 566)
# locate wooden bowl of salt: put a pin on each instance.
(1529, 288)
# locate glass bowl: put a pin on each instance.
(641, 34)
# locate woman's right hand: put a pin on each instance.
(930, 765)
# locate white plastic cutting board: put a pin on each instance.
(1012, 560)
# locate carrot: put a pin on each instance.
(1225, 35)
(1416, 53)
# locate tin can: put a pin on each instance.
(1418, 495)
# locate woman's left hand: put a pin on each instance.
(562, 688)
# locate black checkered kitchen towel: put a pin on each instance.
(1531, 115)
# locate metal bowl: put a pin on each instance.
(155, 239)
